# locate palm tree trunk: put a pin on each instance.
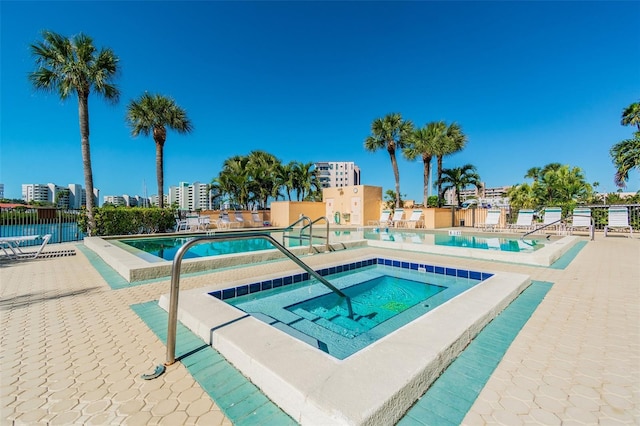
(160, 136)
(396, 173)
(83, 114)
(426, 160)
(440, 194)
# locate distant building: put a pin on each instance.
(186, 196)
(336, 174)
(1, 190)
(493, 197)
(73, 196)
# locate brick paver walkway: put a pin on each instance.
(72, 350)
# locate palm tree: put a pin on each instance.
(74, 65)
(152, 114)
(458, 179)
(263, 172)
(390, 132)
(626, 157)
(454, 141)
(424, 142)
(631, 115)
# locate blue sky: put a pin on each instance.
(529, 82)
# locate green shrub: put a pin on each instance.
(126, 221)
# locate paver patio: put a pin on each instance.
(72, 349)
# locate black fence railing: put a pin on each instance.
(62, 224)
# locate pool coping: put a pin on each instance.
(315, 388)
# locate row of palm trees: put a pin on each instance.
(74, 66)
(252, 180)
(436, 139)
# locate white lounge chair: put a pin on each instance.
(398, 214)
(492, 221)
(384, 219)
(524, 221)
(552, 219)
(13, 250)
(415, 219)
(581, 219)
(618, 219)
(239, 218)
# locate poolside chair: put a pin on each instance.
(552, 219)
(618, 219)
(398, 214)
(581, 219)
(492, 221)
(12, 249)
(239, 218)
(255, 220)
(415, 219)
(192, 223)
(524, 221)
(224, 222)
(384, 219)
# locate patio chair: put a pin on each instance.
(552, 219)
(492, 221)
(619, 220)
(239, 218)
(224, 222)
(398, 214)
(415, 219)
(11, 247)
(581, 219)
(384, 219)
(255, 220)
(524, 221)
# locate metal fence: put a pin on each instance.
(474, 216)
(62, 224)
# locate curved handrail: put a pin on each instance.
(310, 231)
(302, 218)
(175, 280)
(592, 233)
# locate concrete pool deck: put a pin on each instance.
(72, 349)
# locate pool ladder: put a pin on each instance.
(309, 236)
(175, 281)
(559, 221)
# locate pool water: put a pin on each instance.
(166, 247)
(384, 298)
(481, 242)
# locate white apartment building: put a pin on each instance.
(1, 190)
(496, 196)
(194, 196)
(334, 174)
(73, 196)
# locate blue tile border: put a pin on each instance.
(241, 290)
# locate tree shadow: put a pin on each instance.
(24, 300)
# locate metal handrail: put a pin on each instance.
(557, 221)
(311, 236)
(175, 280)
(302, 218)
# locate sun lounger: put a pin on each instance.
(552, 219)
(581, 219)
(618, 220)
(239, 218)
(13, 249)
(492, 221)
(225, 223)
(414, 221)
(524, 221)
(398, 214)
(384, 219)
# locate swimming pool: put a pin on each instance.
(374, 385)
(384, 298)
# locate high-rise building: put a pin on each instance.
(332, 174)
(73, 196)
(194, 196)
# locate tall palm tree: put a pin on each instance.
(74, 66)
(152, 114)
(626, 157)
(424, 142)
(390, 132)
(458, 178)
(263, 171)
(631, 115)
(453, 142)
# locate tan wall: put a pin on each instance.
(437, 218)
(476, 217)
(361, 203)
(284, 213)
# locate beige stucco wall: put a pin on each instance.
(284, 213)
(437, 218)
(357, 204)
